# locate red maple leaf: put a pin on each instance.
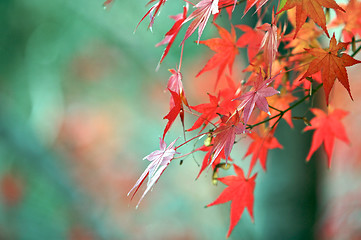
(173, 113)
(327, 127)
(251, 3)
(259, 148)
(175, 84)
(209, 112)
(208, 156)
(178, 98)
(312, 9)
(173, 32)
(220, 105)
(228, 5)
(240, 192)
(153, 12)
(332, 64)
(252, 39)
(226, 50)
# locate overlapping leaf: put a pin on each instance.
(327, 127)
(226, 51)
(173, 32)
(260, 146)
(332, 64)
(240, 192)
(312, 9)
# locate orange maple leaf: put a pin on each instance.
(226, 51)
(312, 9)
(332, 64)
(351, 19)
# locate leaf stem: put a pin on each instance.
(199, 135)
(196, 150)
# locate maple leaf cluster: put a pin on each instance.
(285, 57)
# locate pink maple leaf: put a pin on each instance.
(201, 15)
(175, 84)
(152, 12)
(225, 135)
(269, 43)
(178, 98)
(256, 97)
(159, 161)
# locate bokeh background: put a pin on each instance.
(81, 105)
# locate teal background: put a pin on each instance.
(81, 105)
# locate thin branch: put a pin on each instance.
(288, 109)
(199, 135)
(274, 108)
(357, 50)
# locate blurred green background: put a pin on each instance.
(81, 105)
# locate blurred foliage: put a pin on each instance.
(80, 106)
(74, 125)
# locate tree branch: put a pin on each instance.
(280, 115)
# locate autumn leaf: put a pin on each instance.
(221, 104)
(173, 32)
(331, 62)
(307, 37)
(208, 157)
(152, 12)
(256, 97)
(251, 3)
(159, 161)
(260, 146)
(327, 127)
(226, 50)
(225, 135)
(227, 5)
(351, 19)
(280, 102)
(175, 84)
(200, 17)
(240, 192)
(269, 44)
(251, 38)
(208, 112)
(173, 113)
(312, 9)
